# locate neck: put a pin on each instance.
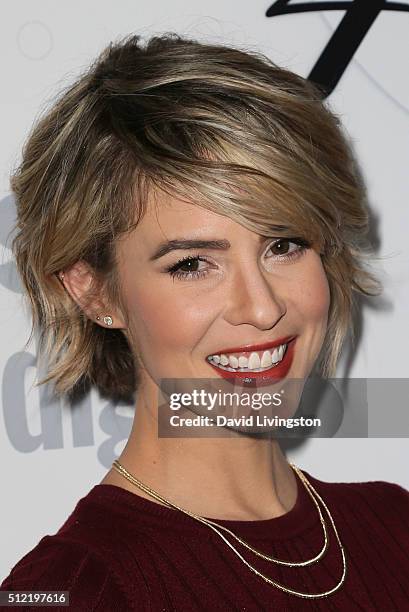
(235, 478)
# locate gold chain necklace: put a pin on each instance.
(216, 527)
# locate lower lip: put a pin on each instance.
(260, 379)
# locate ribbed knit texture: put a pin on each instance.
(119, 551)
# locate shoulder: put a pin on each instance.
(376, 491)
(377, 502)
(63, 565)
(53, 559)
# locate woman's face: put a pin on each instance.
(246, 293)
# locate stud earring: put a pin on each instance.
(107, 320)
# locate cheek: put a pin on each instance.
(167, 321)
(314, 293)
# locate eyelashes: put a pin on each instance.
(176, 272)
(189, 261)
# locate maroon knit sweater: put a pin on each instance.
(119, 551)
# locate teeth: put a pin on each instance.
(234, 362)
(244, 362)
(253, 363)
(276, 355)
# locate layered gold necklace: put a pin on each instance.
(219, 528)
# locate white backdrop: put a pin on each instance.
(50, 457)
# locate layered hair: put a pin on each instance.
(221, 127)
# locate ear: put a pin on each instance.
(78, 280)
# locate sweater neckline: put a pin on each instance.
(140, 510)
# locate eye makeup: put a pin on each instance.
(176, 271)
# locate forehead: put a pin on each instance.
(169, 217)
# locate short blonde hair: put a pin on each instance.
(224, 128)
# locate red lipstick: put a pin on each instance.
(255, 347)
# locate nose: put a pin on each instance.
(253, 300)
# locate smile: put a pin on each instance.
(255, 361)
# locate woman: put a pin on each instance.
(183, 207)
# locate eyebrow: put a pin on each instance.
(185, 244)
(181, 244)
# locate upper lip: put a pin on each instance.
(255, 347)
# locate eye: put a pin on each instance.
(189, 267)
(190, 264)
(282, 244)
